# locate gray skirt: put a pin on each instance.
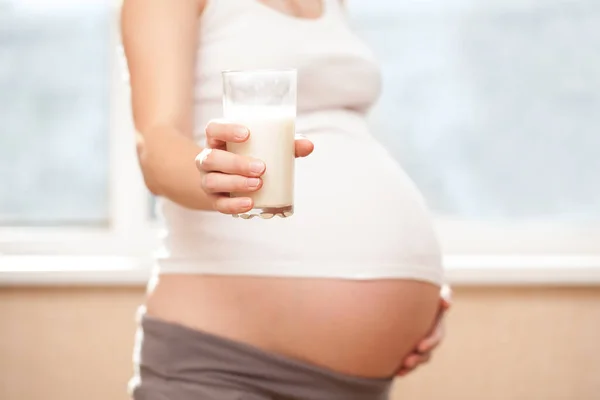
(177, 363)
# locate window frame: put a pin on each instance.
(476, 253)
(129, 230)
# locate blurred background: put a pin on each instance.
(496, 117)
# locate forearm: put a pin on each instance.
(166, 158)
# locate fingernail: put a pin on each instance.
(245, 202)
(253, 182)
(240, 132)
(257, 167)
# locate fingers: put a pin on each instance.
(433, 340)
(303, 146)
(224, 172)
(403, 372)
(416, 359)
(215, 182)
(218, 132)
(412, 362)
(444, 305)
(231, 205)
(424, 349)
(214, 160)
(437, 335)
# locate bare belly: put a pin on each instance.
(360, 328)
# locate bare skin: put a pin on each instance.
(359, 328)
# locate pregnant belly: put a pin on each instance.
(358, 215)
(360, 328)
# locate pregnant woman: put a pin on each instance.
(328, 304)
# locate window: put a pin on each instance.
(493, 110)
(69, 179)
(491, 107)
(54, 108)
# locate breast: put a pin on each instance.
(337, 81)
(336, 70)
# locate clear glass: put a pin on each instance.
(265, 102)
(54, 113)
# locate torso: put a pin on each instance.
(349, 282)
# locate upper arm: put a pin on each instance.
(160, 39)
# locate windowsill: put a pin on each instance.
(41, 270)
(468, 270)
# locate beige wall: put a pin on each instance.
(504, 344)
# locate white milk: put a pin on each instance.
(272, 131)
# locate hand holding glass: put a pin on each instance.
(265, 102)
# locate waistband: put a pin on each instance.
(186, 355)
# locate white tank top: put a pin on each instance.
(357, 214)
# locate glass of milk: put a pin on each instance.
(265, 102)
